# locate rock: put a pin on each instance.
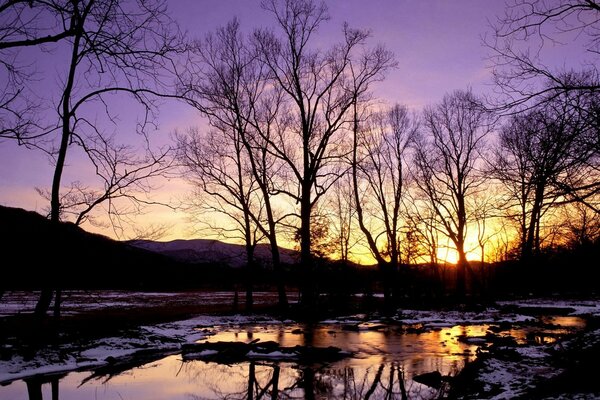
(297, 331)
(431, 379)
(229, 352)
(350, 327)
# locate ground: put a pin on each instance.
(535, 348)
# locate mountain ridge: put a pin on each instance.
(212, 250)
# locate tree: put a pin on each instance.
(343, 215)
(318, 93)
(447, 161)
(127, 183)
(379, 171)
(23, 24)
(524, 34)
(217, 165)
(227, 84)
(111, 48)
(542, 157)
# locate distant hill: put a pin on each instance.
(34, 253)
(212, 251)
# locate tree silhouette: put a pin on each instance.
(228, 85)
(111, 48)
(527, 30)
(447, 166)
(542, 156)
(317, 95)
(379, 170)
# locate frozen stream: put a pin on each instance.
(383, 359)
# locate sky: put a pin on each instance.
(437, 43)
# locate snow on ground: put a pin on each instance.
(502, 378)
(78, 301)
(579, 307)
(451, 318)
(167, 337)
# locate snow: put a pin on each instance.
(579, 307)
(441, 319)
(501, 378)
(167, 337)
(205, 353)
(271, 355)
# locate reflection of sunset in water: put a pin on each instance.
(418, 352)
(382, 364)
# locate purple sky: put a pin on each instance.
(437, 44)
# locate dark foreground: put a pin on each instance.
(134, 345)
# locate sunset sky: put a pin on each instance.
(437, 43)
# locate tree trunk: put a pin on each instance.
(57, 303)
(278, 269)
(461, 273)
(249, 277)
(55, 388)
(43, 304)
(251, 379)
(34, 389)
(275, 383)
(387, 283)
(308, 382)
(306, 262)
(376, 382)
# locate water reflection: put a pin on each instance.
(383, 364)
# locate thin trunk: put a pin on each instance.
(46, 296)
(44, 301)
(461, 271)
(403, 394)
(278, 268)
(55, 392)
(375, 383)
(381, 262)
(275, 383)
(66, 128)
(57, 303)
(34, 389)
(385, 267)
(529, 246)
(390, 389)
(308, 291)
(249, 277)
(308, 381)
(251, 379)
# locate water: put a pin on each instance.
(383, 362)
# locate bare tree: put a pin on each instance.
(25, 23)
(217, 165)
(447, 159)
(526, 31)
(227, 84)
(318, 92)
(343, 216)
(379, 170)
(543, 160)
(581, 225)
(113, 48)
(127, 182)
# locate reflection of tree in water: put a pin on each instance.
(270, 380)
(34, 387)
(386, 381)
(252, 380)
